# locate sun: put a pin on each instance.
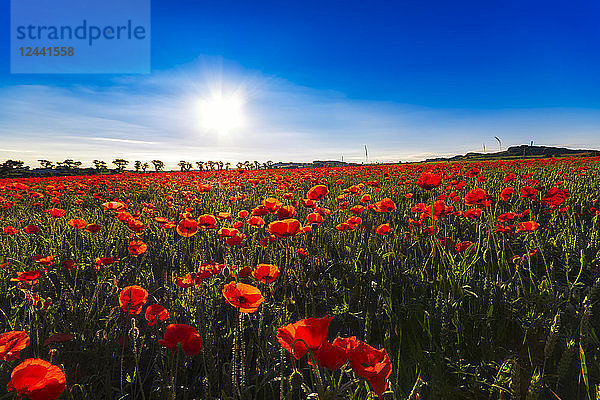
(222, 114)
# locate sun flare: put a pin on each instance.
(222, 113)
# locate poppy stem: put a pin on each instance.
(314, 365)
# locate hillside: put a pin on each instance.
(522, 151)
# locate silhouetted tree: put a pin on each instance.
(145, 166)
(46, 164)
(184, 165)
(137, 165)
(120, 164)
(99, 165)
(158, 165)
(68, 164)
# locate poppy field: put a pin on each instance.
(466, 280)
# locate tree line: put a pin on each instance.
(17, 167)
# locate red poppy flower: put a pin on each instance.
(317, 192)
(477, 197)
(437, 210)
(271, 204)
(204, 188)
(429, 181)
(10, 230)
(185, 281)
(136, 225)
(137, 247)
(187, 227)
(28, 277)
(506, 193)
(383, 229)
(183, 334)
(286, 212)
(132, 299)
(266, 273)
(93, 228)
(236, 239)
(246, 298)
(155, 312)
(313, 331)
(45, 261)
(385, 205)
(285, 227)
(243, 214)
(58, 338)
(57, 212)
(472, 173)
(528, 192)
(314, 218)
(357, 209)
(227, 232)
(348, 343)
(302, 253)
(528, 226)
(207, 221)
(224, 216)
(331, 356)
(259, 211)
(37, 379)
(77, 223)
(256, 221)
(555, 197)
(102, 261)
(11, 344)
(507, 216)
(114, 206)
(31, 229)
(373, 364)
(472, 213)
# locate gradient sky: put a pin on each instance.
(321, 79)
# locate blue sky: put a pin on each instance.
(409, 79)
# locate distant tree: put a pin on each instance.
(46, 164)
(99, 165)
(184, 165)
(256, 165)
(12, 167)
(211, 165)
(145, 166)
(227, 165)
(120, 164)
(240, 165)
(269, 164)
(68, 164)
(220, 163)
(158, 165)
(14, 164)
(200, 165)
(247, 165)
(137, 165)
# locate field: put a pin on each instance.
(432, 281)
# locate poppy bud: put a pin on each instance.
(296, 380)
